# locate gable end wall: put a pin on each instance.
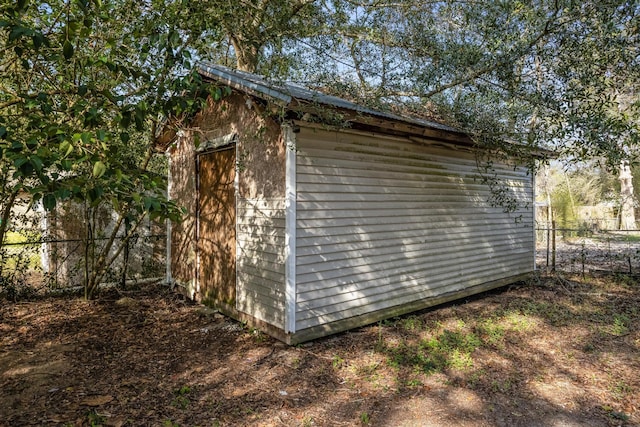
(260, 206)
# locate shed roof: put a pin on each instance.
(288, 92)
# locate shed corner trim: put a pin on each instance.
(289, 138)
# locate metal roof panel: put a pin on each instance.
(287, 91)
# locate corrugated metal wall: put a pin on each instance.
(260, 268)
(384, 222)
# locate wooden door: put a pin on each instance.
(217, 226)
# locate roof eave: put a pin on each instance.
(253, 88)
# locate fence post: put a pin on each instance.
(548, 242)
(553, 245)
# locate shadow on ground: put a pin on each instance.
(556, 351)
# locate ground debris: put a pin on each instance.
(523, 355)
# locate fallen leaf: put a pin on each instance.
(97, 400)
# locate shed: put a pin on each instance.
(308, 214)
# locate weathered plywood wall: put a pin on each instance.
(260, 191)
(182, 188)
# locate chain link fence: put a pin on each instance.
(580, 248)
(31, 264)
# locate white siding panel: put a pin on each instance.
(384, 222)
(260, 236)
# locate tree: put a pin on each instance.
(84, 86)
(259, 36)
(540, 73)
(627, 208)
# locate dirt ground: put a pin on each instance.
(558, 351)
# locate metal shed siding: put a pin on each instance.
(383, 222)
(260, 249)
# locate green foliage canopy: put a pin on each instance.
(560, 74)
(86, 84)
(83, 87)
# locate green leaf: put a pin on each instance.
(66, 147)
(17, 32)
(66, 164)
(99, 169)
(67, 49)
(36, 162)
(125, 121)
(3, 132)
(38, 40)
(18, 162)
(73, 27)
(49, 201)
(95, 194)
(26, 169)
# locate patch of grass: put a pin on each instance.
(615, 415)
(626, 280)
(337, 362)
(519, 322)
(501, 386)
(621, 389)
(632, 238)
(620, 325)
(460, 360)
(491, 331)
(365, 419)
(181, 398)
(555, 314)
(449, 349)
(412, 323)
(414, 382)
(367, 371)
(456, 340)
(475, 378)
(94, 419)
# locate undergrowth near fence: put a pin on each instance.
(614, 251)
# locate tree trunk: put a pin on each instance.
(627, 214)
(246, 55)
